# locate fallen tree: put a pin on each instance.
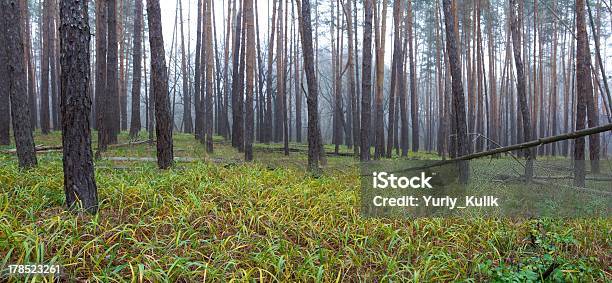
(525, 145)
(58, 148)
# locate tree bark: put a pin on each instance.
(521, 88)
(45, 119)
(15, 68)
(237, 141)
(79, 181)
(137, 65)
(210, 69)
(414, 98)
(460, 129)
(366, 82)
(250, 78)
(159, 79)
(312, 98)
(187, 121)
(112, 76)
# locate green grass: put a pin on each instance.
(268, 221)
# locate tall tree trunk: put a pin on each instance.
(452, 49)
(237, 125)
(102, 96)
(137, 65)
(15, 68)
(112, 77)
(53, 65)
(314, 133)
(210, 69)
(521, 88)
(553, 84)
(366, 82)
(352, 88)
(79, 181)
(226, 58)
(414, 100)
(159, 84)
(45, 119)
(187, 122)
(380, 36)
(29, 57)
(5, 109)
(250, 78)
(585, 105)
(198, 73)
(398, 56)
(268, 119)
(280, 79)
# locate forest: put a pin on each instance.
(222, 140)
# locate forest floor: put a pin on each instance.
(216, 217)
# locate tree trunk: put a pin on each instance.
(5, 109)
(45, 119)
(414, 102)
(584, 90)
(250, 78)
(29, 57)
(53, 65)
(112, 77)
(136, 74)
(309, 67)
(210, 68)
(187, 122)
(15, 69)
(398, 57)
(237, 129)
(460, 129)
(159, 84)
(79, 181)
(521, 89)
(366, 82)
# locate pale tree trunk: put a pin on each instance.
(395, 68)
(198, 73)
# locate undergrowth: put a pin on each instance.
(211, 220)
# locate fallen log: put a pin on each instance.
(525, 145)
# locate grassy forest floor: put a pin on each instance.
(215, 217)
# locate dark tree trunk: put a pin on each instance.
(159, 84)
(398, 56)
(15, 68)
(45, 119)
(136, 74)
(460, 129)
(198, 73)
(210, 69)
(187, 122)
(414, 98)
(5, 109)
(112, 77)
(309, 66)
(366, 82)
(102, 97)
(236, 92)
(521, 88)
(53, 65)
(584, 90)
(268, 114)
(250, 78)
(79, 181)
